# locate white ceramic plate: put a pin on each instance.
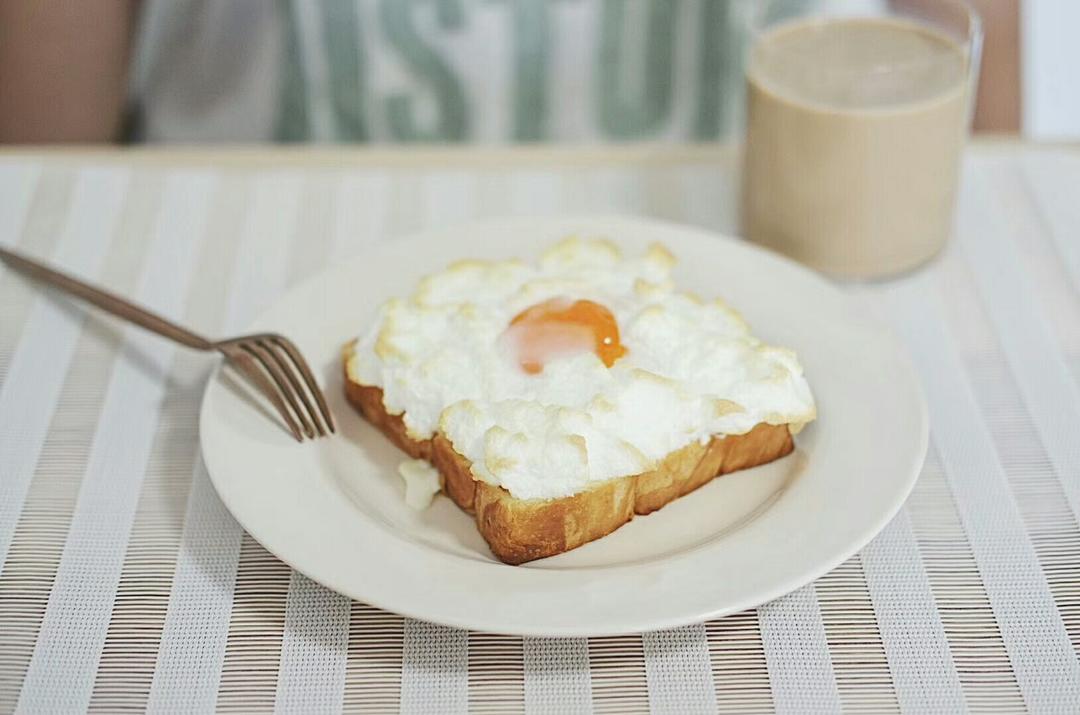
(334, 510)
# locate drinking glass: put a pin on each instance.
(856, 123)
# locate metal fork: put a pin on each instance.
(271, 362)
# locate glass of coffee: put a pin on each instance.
(856, 125)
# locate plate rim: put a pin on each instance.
(643, 622)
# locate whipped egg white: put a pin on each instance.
(421, 482)
(691, 370)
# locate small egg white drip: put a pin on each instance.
(692, 370)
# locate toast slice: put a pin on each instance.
(520, 530)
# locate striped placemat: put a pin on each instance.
(125, 585)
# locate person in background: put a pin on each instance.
(491, 71)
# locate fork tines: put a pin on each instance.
(290, 387)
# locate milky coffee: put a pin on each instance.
(855, 131)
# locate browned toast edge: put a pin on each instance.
(520, 530)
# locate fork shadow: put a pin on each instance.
(107, 329)
(185, 387)
(250, 396)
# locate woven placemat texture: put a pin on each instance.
(125, 584)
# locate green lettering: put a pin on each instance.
(341, 31)
(293, 123)
(532, 38)
(714, 66)
(452, 122)
(636, 108)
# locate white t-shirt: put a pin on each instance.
(491, 71)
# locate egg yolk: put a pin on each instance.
(562, 327)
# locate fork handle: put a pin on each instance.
(106, 301)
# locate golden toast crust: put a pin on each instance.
(520, 530)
